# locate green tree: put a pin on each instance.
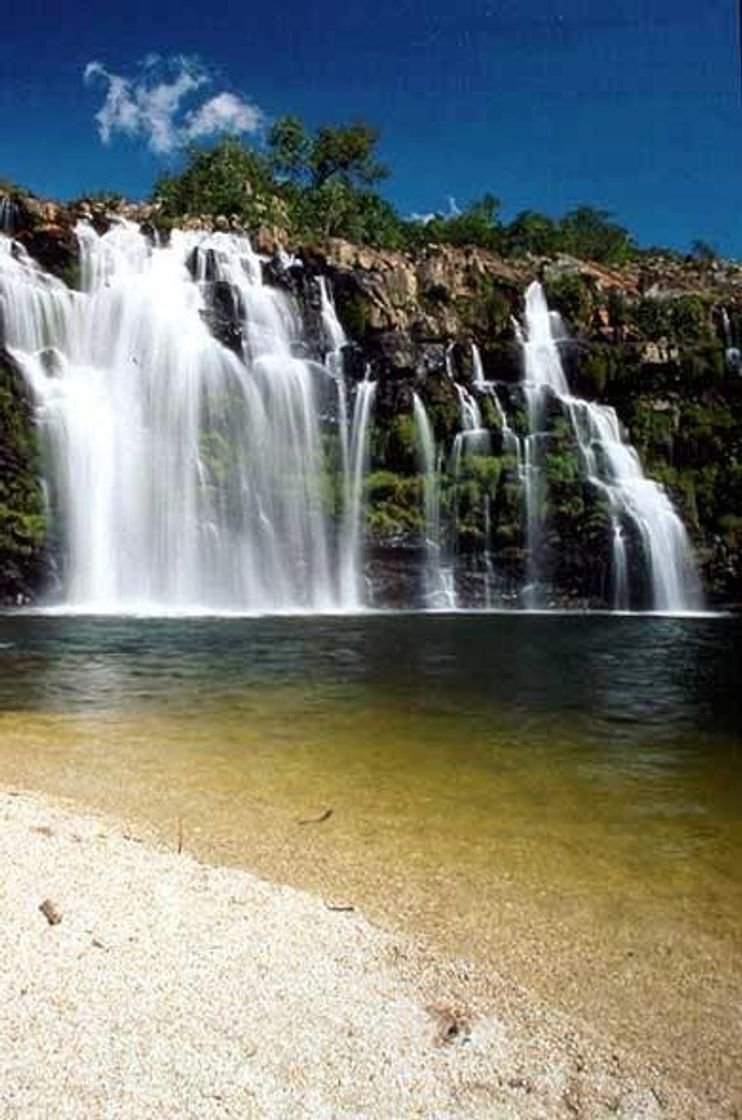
(531, 232)
(290, 148)
(590, 233)
(702, 251)
(346, 154)
(226, 179)
(477, 225)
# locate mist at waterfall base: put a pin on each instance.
(186, 475)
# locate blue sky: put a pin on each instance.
(633, 105)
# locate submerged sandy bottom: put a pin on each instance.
(173, 988)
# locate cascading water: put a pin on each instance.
(438, 581)
(336, 341)
(185, 476)
(611, 465)
(354, 444)
(732, 353)
(8, 215)
(352, 558)
(187, 473)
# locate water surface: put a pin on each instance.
(556, 795)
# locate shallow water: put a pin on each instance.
(558, 795)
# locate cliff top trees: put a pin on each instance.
(218, 180)
(588, 232)
(345, 154)
(322, 184)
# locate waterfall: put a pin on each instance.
(731, 352)
(185, 475)
(351, 557)
(726, 327)
(476, 363)
(8, 215)
(197, 459)
(611, 465)
(473, 438)
(335, 342)
(438, 582)
(354, 447)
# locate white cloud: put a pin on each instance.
(223, 113)
(149, 105)
(452, 212)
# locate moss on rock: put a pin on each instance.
(22, 512)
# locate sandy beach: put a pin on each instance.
(162, 987)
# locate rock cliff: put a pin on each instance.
(657, 339)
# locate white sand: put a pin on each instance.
(173, 989)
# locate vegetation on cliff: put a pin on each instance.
(22, 521)
(322, 185)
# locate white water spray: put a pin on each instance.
(612, 466)
(186, 476)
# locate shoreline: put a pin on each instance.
(175, 987)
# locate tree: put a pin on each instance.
(477, 225)
(531, 232)
(290, 147)
(591, 233)
(225, 179)
(346, 154)
(702, 251)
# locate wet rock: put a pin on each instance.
(56, 249)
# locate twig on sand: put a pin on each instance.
(180, 835)
(340, 907)
(51, 912)
(317, 820)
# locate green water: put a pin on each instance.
(557, 796)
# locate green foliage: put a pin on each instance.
(531, 232)
(394, 504)
(226, 179)
(338, 210)
(354, 315)
(571, 295)
(321, 184)
(343, 154)
(394, 444)
(591, 233)
(562, 468)
(71, 275)
(346, 154)
(689, 319)
(703, 251)
(289, 147)
(22, 520)
(477, 225)
(651, 317)
(487, 312)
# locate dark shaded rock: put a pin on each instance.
(56, 249)
(430, 358)
(223, 314)
(393, 354)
